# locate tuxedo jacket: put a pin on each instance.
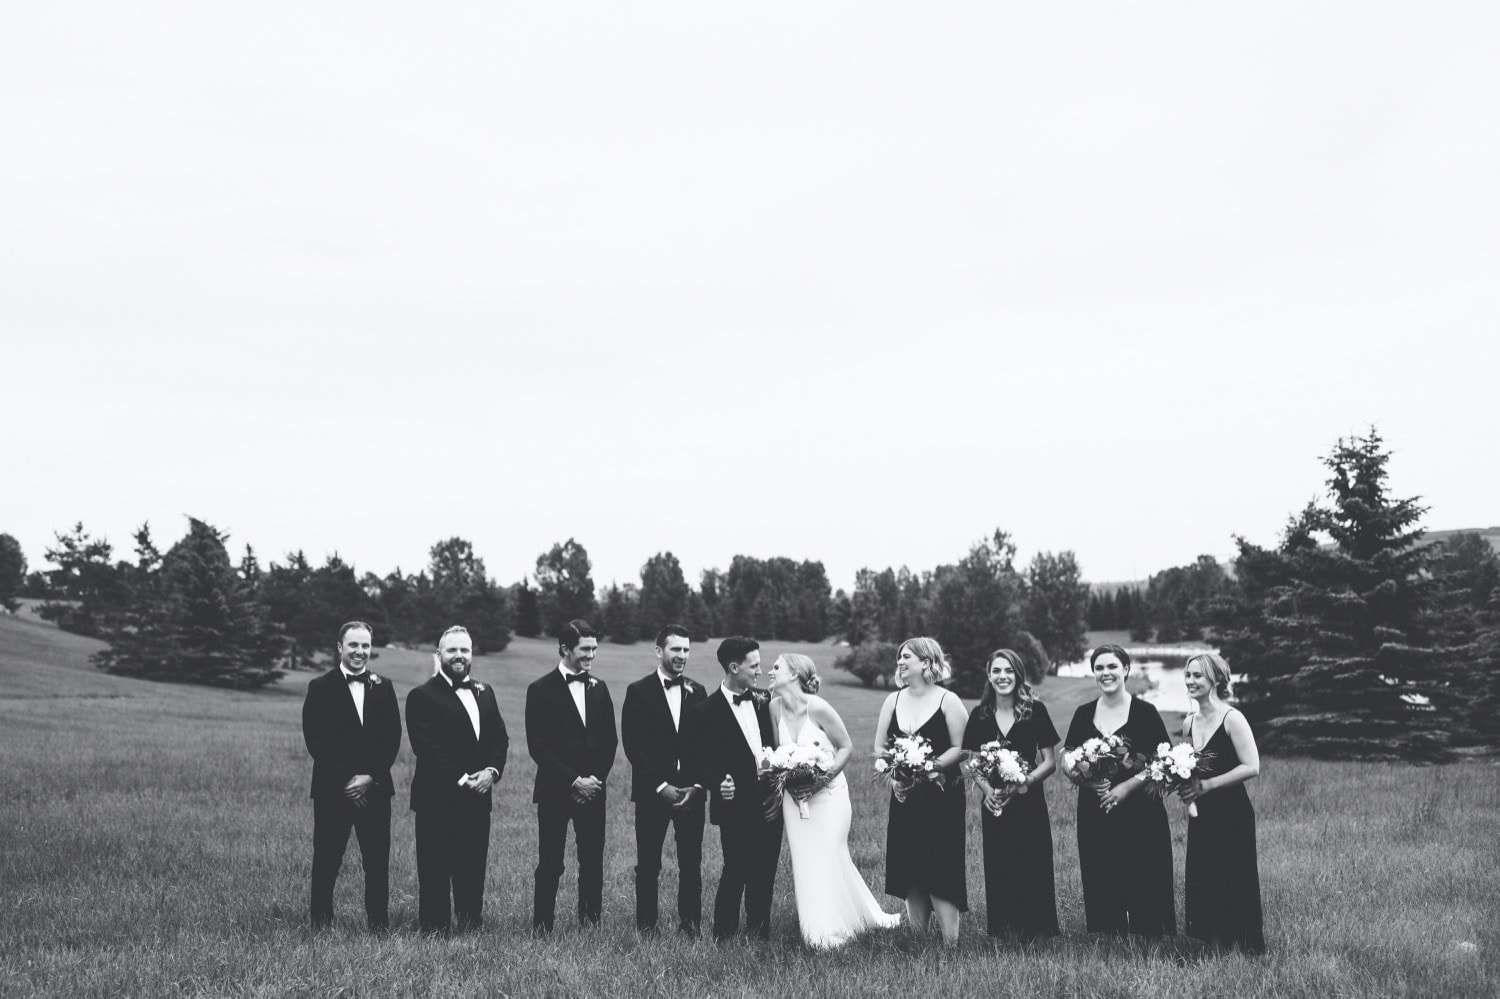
(562, 747)
(340, 745)
(718, 748)
(445, 746)
(656, 748)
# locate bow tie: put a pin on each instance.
(748, 695)
(468, 685)
(358, 677)
(577, 678)
(676, 681)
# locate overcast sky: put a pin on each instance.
(857, 282)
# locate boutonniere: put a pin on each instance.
(478, 687)
(376, 680)
(592, 683)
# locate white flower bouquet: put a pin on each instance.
(907, 762)
(994, 766)
(800, 771)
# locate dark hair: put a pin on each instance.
(668, 631)
(1023, 696)
(574, 632)
(734, 649)
(351, 625)
(1112, 649)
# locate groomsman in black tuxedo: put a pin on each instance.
(653, 721)
(570, 732)
(353, 730)
(459, 739)
(727, 733)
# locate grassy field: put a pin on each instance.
(155, 841)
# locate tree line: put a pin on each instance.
(1355, 637)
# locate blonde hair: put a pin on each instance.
(1216, 670)
(805, 670)
(935, 664)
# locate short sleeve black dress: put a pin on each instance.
(1018, 884)
(924, 837)
(1125, 856)
(1223, 879)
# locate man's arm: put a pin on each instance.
(424, 731)
(318, 732)
(541, 741)
(604, 758)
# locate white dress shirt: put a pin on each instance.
(674, 698)
(466, 698)
(744, 713)
(575, 690)
(356, 691)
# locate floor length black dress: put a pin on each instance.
(1223, 879)
(1125, 856)
(1018, 884)
(924, 837)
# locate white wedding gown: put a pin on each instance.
(833, 901)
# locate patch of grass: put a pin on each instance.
(155, 840)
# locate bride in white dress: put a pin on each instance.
(833, 901)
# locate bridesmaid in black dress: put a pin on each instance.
(1124, 844)
(1223, 879)
(924, 845)
(1018, 885)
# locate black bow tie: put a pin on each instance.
(676, 681)
(468, 685)
(577, 678)
(748, 695)
(357, 677)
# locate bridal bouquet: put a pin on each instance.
(798, 770)
(1099, 760)
(994, 767)
(907, 762)
(1172, 768)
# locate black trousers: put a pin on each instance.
(651, 821)
(751, 848)
(333, 817)
(552, 818)
(452, 850)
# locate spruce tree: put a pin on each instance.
(198, 624)
(1339, 639)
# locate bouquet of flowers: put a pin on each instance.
(797, 770)
(907, 762)
(994, 767)
(1172, 768)
(1099, 760)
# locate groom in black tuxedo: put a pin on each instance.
(728, 731)
(653, 721)
(570, 732)
(353, 731)
(459, 739)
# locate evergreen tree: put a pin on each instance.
(565, 585)
(87, 587)
(12, 572)
(1057, 601)
(1341, 642)
(528, 611)
(198, 625)
(619, 616)
(663, 595)
(463, 593)
(975, 608)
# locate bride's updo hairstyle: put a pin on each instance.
(1216, 670)
(934, 662)
(806, 672)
